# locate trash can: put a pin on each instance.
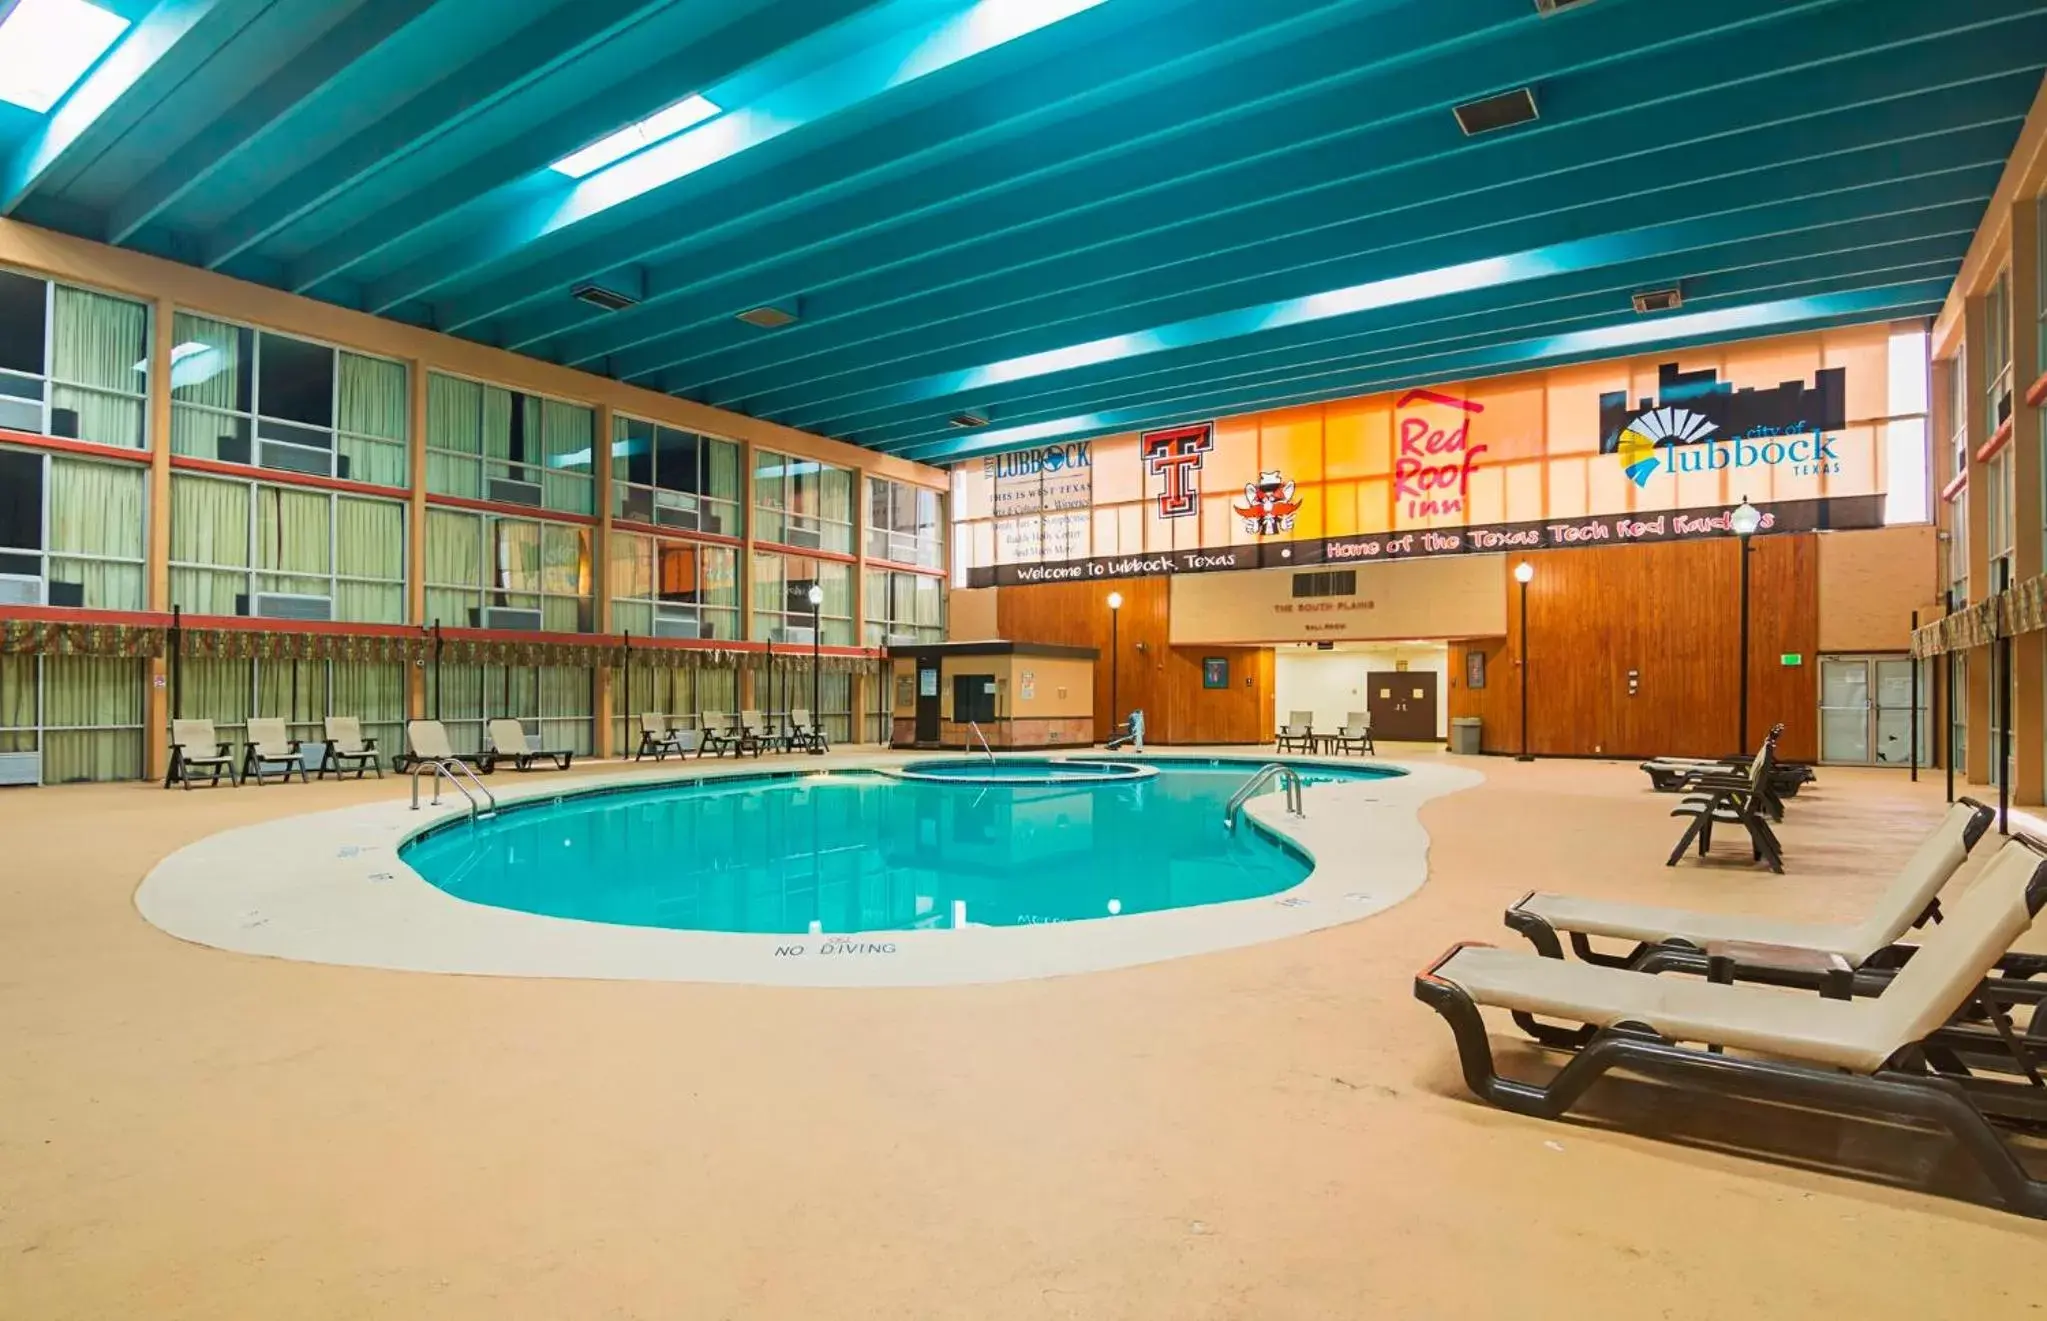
(1464, 735)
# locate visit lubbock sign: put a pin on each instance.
(1435, 458)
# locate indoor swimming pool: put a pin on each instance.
(869, 851)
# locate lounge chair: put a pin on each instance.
(1356, 734)
(1733, 946)
(1297, 734)
(194, 747)
(270, 748)
(509, 742)
(806, 734)
(753, 729)
(427, 740)
(1732, 800)
(1888, 1056)
(719, 737)
(1677, 774)
(658, 737)
(348, 750)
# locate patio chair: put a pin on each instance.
(269, 749)
(1356, 734)
(659, 737)
(348, 750)
(510, 742)
(1892, 1056)
(1735, 800)
(753, 729)
(806, 734)
(718, 738)
(427, 740)
(1840, 957)
(1297, 734)
(195, 748)
(1677, 774)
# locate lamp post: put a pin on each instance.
(816, 684)
(1115, 609)
(1744, 520)
(1523, 572)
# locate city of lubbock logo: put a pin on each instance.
(1658, 427)
(1268, 507)
(1175, 458)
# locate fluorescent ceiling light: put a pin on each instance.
(657, 127)
(47, 45)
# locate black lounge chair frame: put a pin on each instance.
(1905, 1085)
(220, 763)
(360, 762)
(660, 745)
(1733, 800)
(254, 762)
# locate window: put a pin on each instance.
(781, 599)
(81, 715)
(672, 589)
(905, 523)
(72, 532)
(484, 442)
(73, 363)
(249, 548)
(1997, 372)
(1997, 518)
(1958, 463)
(554, 702)
(681, 693)
(485, 571)
(302, 692)
(904, 608)
(674, 478)
(803, 503)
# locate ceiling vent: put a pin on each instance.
(1496, 112)
(596, 295)
(1548, 7)
(968, 418)
(1659, 300)
(770, 316)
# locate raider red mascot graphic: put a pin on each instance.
(1268, 506)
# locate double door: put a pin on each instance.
(1403, 705)
(1866, 711)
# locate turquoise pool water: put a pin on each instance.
(851, 852)
(1014, 770)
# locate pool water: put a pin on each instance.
(850, 852)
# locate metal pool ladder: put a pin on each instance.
(1289, 780)
(975, 725)
(444, 768)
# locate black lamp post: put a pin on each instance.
(1115, 609)
(1523, 572)
(816, 634)
(1744, 520)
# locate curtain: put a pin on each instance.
(17, 703)
(515, 555)
(95, 342)
(295, 690)
(566, 707)
(567, 435)
(723, 470)
(564, 559)
(629, 567)
(495, 416)
(836, 495)
(454, 428)
(293, 530)
(370, 419)
(770, 494)
(717, 691)
(215, 688)
(206, 374)
(96, 509)
(455, 698)
(374, 693)
(454, 566)
(927, 608)
(369, 542)
(209, 527)
(93, 709)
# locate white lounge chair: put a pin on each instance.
(348, 750)
(806, 734)
(657, 737)
(1297, 734)
(270, 749)
(510, 742)
(1356, 734)
(1893, 1055)
(195, 747)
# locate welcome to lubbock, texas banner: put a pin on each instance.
(1651, 448)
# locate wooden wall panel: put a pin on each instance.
(1241, 713)
(1670, 612)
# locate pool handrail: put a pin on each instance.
(975, 725)
(1289, 781)
(444, 768)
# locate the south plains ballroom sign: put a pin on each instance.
(1648, 449)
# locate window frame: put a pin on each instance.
(50, 380)
(486, 520)
(734, 613)
(252, 570)
(780, 516)
(43, 554)
(484, 461)
(887, 627)
(623, 489)
(766, 624)
(882, 539)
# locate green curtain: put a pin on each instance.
(374, 693)
(95, 342)
(17, 703)
(454, 566)
(769, 593)
(96, 509)
(459, 691)
(629, 567)
(454, 435)
(566, 707)
(295, 690)
(206, 374)
(836, 506)
(370, 418)
(717, 691)
(93, 712)
(369, 543)
(567, 435)
(216, 688)
(209, 537)
(722, 470)
(293, 541)
(515, 556)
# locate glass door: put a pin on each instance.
(1845, 711)
(1893, 713)
(1866, 711)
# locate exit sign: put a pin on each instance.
(1792, 658)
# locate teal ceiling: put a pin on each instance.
(1070, 216)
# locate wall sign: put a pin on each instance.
(1474, 669)
(1174, 458)
(1215, 672)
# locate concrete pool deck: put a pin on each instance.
(329, 887)
(1266, 1133)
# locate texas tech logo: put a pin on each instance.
(1268, 507)
(1174, 457)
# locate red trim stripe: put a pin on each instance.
(65, 445)
(1955, 487)
(925, 570)
(2036, 393)
(513, 511)
(807, 552)
(1998, 440)
(672, 534)
(280, 477)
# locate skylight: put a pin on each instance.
(657, 127)
(47, 45)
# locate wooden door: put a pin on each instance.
(1403, 705)
(927, 701)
